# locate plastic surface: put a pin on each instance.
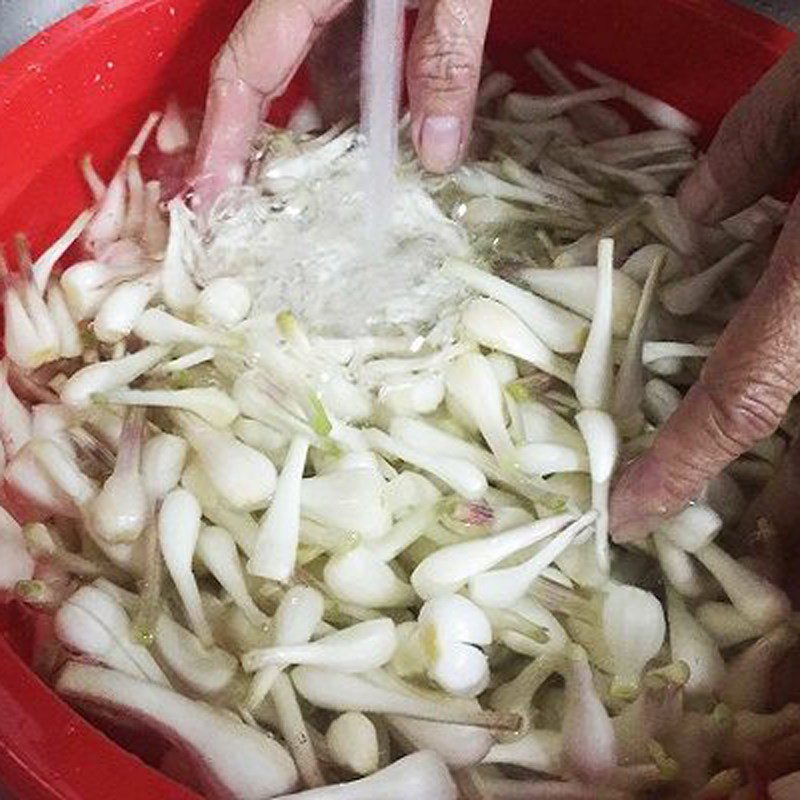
(86, 85)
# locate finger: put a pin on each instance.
(756, 147)
(254, 66)
(444, 65)
(334, 65)
(740, 398)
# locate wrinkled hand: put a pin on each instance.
(754, 371)
(272, 39)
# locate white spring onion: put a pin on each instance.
(602, 442)
(657, 111)
(760, 601)
(216, 550)
(43, 266)
(359, 648)
(462, 476)
(108, 375)
(243, 477)
(661, 400)
(530, 108)
(298, 616)
(679, 568)
(688, 295)
(192, 359)
(69, 339)
(64, 472)
(179, 291)
(503, 588)
(558, 195)
(261, 436)
(178, 532)
(416, 394)
(349, 498)
(338, 691)
(693, 528)
(634, 628)
(727, 626)
(353, 743)
(225, 302)
(275, 549)
(122, 307)
(421, 774)
(207, 402)
(545, 458)
(26, 479)
(448, 569)
(594, 375)
(31, 337)
(159, 327)
(560, 330)
(595, 119)
(242, 761)
(474, 393)
(576, 288)
(87, 284)
(493, 325)
(172, 134)
(629, 389)
(121, 509)
(640, 263)
(691, 644)
(163, 459)
(16, 563)
(16, 424)
(94, 624)
(589, 744)
(538, 750)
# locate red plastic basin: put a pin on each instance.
(86, 85)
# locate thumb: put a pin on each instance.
(756, 147)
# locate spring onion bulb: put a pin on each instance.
(242, 761)
(95, 625)
(63, 470)
(16, 423)
(416, 394)
(421, 774)
(727, 626)
(657, 111)
(353, 743)
(559, 330)
(339, 691)
(224, 303)
(298, 615)
(179, 291)
(545, 458)
(594, 375)
(690, 643)
(448, 569)
(207, 402)
(16, 562)
(121, 309)
(163, 459)
(688, 295)
(178, 532)
(693, 528)
(359, 648)
(276, 544)
(31, 337)
(108, 375)
(661, 400)
(69, 339)
(462, 476)
(160, 327)
(86, 285)
(243, 477)
(503, 588)
(600, 434)
(679, 568)
(216, 550)
(538, 750)
(474, 393)
(596, 120)
(589, 750)
(121, 509)
(760, 601)
(493, 325)
(629, 389)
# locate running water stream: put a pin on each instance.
(382, 57)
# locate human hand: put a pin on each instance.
(272, 39)
(754, 371)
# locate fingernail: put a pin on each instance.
(700, 197)
(440, 143)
